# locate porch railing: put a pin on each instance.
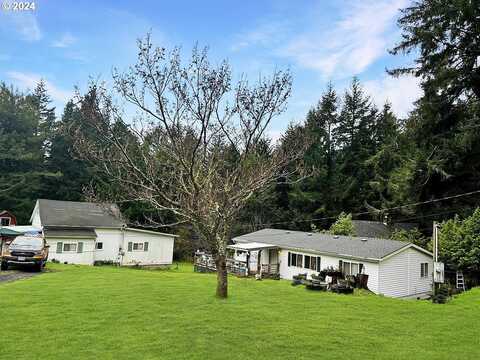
(271, 269)
(205, 263)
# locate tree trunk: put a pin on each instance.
(222, 279)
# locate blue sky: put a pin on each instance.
(68, 42)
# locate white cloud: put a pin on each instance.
(354, 42)
(65, 40)
(23, 23)
(30, 81)
(400, 92)
(266, 34)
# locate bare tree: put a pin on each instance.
(199, 151)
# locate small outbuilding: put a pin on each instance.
(7, 218)
(394, 268)
(85, 233)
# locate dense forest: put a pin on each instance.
(364, 159)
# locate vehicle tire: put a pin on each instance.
(4, 266)
(39, 267)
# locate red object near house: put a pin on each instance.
(7, 218)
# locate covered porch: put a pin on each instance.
(245, 259)
(256, 258)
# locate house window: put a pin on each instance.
(312, 262)
(69, 247)
(99, 246)
(295, 260)
(5, 221)
(424, 270)
(350, 268)
(138, 246)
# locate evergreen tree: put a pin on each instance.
(354, 139)
(446, 36)
(72, 174)
(22, 155)
(386, 159)
(320, 124)
(46, 115)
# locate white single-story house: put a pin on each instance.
(83, 233)
(394, 268)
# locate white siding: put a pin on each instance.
(84, 258)
(419, 285)
(287, 272)
(160, 249)
(35, 219)
(112, 240)
(400, 274)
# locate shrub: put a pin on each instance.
(441, 295)
(343, 225)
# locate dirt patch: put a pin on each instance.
(13, 275)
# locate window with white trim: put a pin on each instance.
(312, 262)
(5, 221)
(69, 247)
(350, 268)
(295, 260)
(99, 246)
(423, 270)
(138, 246)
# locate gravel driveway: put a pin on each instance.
(12, 275)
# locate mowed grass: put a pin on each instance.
(80, 312)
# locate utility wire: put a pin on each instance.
(369, 212)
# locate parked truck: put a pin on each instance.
(26, 251)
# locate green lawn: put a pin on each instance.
(78, 312)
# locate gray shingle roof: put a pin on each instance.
(78, 214)
(372, 248)
(370, 228)
(378, 229)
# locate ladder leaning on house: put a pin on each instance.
(460, 281)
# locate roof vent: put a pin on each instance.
(363, 239)
(287, 232)
(336, 236)
(309, 234)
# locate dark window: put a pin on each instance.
(307, 262)
(5, 221)
(294, 259)
(99, 246)
(424, 270)
(299, 260)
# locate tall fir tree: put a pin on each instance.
(355, 144)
